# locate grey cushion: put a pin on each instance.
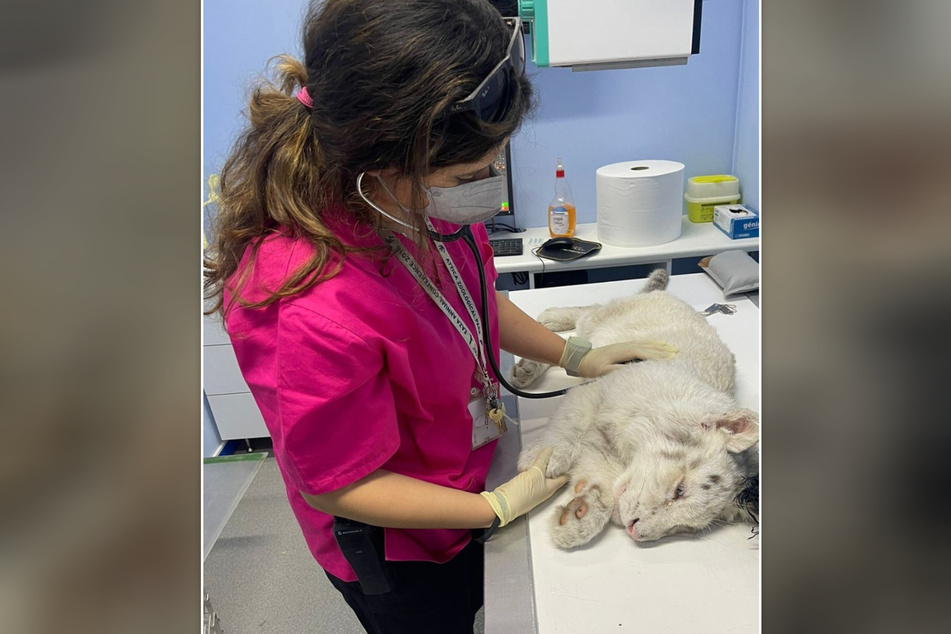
(735, 271)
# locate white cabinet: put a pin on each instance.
(236, 414)
(222, 374)
(613, 33)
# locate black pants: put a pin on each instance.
(426, 596)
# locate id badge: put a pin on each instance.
(484, 429)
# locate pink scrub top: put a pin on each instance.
(364, 372)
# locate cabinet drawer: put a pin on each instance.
(222, 374)
(214, 332)
(237, 416)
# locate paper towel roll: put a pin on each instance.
(640, 203)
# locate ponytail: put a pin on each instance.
(273, 178)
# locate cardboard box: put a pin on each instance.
(736, 221)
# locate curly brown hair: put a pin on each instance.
(382, 76)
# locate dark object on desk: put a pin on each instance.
(565, 249)
(559, 244)
(506, 246)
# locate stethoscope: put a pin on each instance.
(465, 234)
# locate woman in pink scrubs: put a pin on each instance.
(357, 331)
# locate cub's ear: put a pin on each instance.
(740, 428)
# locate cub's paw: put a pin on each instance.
(558, 319)
(527, 457)
(562, 457)
(578, 522)
(525, 372)
(559, 463)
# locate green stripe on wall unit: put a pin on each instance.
(536, 12)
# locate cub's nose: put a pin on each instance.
(631, 529)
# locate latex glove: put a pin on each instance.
(525, 491)
(580, 359)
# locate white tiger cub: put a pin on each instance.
(658, 447)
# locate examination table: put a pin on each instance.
(678, 585)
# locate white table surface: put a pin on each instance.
(696, 240)
(686, 584)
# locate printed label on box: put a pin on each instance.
(736, 221)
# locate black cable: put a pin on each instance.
(509, 228)
(466, 234)
(470, 240)
(541, 276)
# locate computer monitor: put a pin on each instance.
(505, 219)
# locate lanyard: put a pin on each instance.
(477, 345)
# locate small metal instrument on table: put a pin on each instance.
(726, 309)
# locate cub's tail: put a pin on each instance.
(656, 281)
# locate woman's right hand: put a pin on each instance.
(525, 491)
(608, 358)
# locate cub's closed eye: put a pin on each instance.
(679, 493)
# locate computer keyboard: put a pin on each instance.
(506, 246)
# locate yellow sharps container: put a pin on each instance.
(706, 192)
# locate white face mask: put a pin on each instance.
(469, 203)
(465, 204)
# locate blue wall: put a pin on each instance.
(747, 145)
(239, 37)
(690, 113)
(680, 113)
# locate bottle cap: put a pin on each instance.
(559, 169)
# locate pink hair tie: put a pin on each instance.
(304, 98)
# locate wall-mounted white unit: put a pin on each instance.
(605, 34)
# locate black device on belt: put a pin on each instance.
(362, 547)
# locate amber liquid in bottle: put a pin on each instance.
(561, 211)
(561, 220)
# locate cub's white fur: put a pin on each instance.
(659, 447)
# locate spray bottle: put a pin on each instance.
(561, 211)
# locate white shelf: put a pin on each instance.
(696, 240)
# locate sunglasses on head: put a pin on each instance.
(491, 99)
